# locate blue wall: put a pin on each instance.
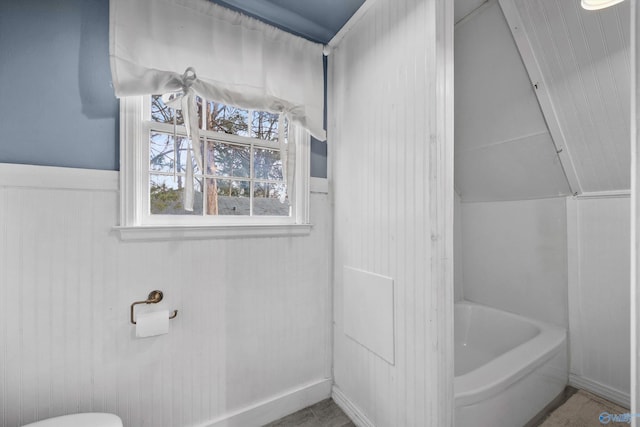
(57, 106)
(318, 158)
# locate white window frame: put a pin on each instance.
(136, 222)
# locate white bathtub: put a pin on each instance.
(507, 367)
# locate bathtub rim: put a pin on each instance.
(511, 366)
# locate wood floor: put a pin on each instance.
(584, 409)
(322, 414)
(578, 408)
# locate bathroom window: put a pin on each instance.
(241, 178)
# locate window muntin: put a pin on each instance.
(243, 171)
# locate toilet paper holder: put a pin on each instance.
(153, 298)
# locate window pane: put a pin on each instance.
(163, 114)
(228, 197)
(162, 153)
(266, 199)
(227, 119)
(166, 196)
(267, 164)
(264, 125)
(228, 159)
(286, 130)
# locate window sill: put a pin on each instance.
(154, 233)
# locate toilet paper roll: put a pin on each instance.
(152, 324)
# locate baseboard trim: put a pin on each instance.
(353, 412)
(611, 394)
(275, 408)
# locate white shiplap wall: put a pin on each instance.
(390, 96)
(599, 308)
(251, 341)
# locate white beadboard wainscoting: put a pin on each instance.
(251, 342)
(598, 231)
(390, 104)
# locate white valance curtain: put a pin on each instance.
(237, 60)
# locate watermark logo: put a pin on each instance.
(606, 418)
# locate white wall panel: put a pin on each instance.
(253, 322)
(599, 307)
(523, 169)
(394, 206)
(463, 8)
(495, 101)
(368, 311)
(503, 148)
(515, 257)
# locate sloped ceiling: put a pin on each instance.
(583, 57)
(503, 148)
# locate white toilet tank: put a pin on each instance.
(90, 419)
